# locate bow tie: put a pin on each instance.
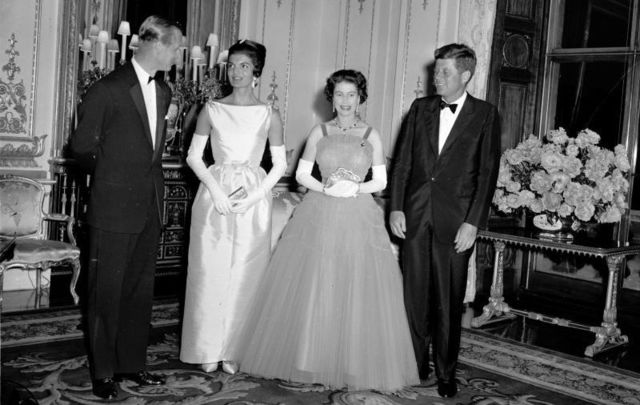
(452, 107)
(151, 78)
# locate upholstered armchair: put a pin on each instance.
(22, 218)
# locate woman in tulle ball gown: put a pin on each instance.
(330, 309)
(230, 235)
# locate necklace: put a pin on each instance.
(345, 129)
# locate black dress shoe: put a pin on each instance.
(140, 378)
(105, 388)
(447, 389)
(427, 381)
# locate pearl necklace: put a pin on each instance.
(345, 129)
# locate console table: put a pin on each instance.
(608, 335)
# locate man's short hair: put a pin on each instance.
(155, 28)
(464, 56)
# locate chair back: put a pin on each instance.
(21, 214)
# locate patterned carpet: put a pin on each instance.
(47, 357)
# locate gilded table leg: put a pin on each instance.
(608, 334)
(496, 306)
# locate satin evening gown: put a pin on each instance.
(330, 309)
(227, 253)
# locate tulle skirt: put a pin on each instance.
(330, 308)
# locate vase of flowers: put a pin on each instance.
(563, 182)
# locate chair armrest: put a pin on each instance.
(64, 218)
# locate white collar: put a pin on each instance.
(143, 76)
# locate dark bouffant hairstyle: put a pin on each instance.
(255, 50)
(346, 75)
(465, 57)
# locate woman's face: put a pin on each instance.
(240, 70)
(345, 98)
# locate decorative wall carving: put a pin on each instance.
(19, 146)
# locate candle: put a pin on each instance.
(103, 38)
(112, 49)
(133, 44)
(85, 47)
(212, 43)
(196, 54)
(201, 67)
(94, 30)
(124, 30)
(222, 64)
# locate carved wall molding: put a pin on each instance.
(18, 145)
(23, 155)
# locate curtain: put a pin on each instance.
(475, 28)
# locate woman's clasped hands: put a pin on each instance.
(225, 205)
(342, 189)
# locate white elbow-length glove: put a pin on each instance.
(221, 202)
(304, 177)
(378, 180)
(279, 161)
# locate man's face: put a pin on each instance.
(450, 83)
(166, 54)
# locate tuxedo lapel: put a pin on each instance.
(432, 123)
(162, 106)
(458, 130)
(136, 94)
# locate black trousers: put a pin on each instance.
(120, 280)
(435, 279)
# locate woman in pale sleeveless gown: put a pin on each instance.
(230, 236)
(330, 309)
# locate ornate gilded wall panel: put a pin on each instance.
(19, 145)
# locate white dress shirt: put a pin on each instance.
(447, 119)
(149, 94)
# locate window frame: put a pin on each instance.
(553, 56)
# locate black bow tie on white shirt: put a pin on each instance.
(452, 107)
(151, 78)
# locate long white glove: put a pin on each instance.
(304, 177)
(378, 180)
(221, 202)
(279, 161)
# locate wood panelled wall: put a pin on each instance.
(515, 67)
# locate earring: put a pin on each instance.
(254, 84)
(357, 105)
(334, 107)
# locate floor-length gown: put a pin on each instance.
(330, 309)
(227, 253)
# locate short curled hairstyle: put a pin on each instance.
(155, 28)
(254, 50)
(346, 75)
(464, 56)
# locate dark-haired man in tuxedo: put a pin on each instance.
(443, 181)
(119, 139)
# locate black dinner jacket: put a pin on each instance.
(454, 186)
(113, 142)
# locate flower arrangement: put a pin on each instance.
(88, 77)
(188, 92)
(567, 178)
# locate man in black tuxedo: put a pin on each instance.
(443, 181)
(119, 139)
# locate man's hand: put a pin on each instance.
(398, 223)
(465, 237)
